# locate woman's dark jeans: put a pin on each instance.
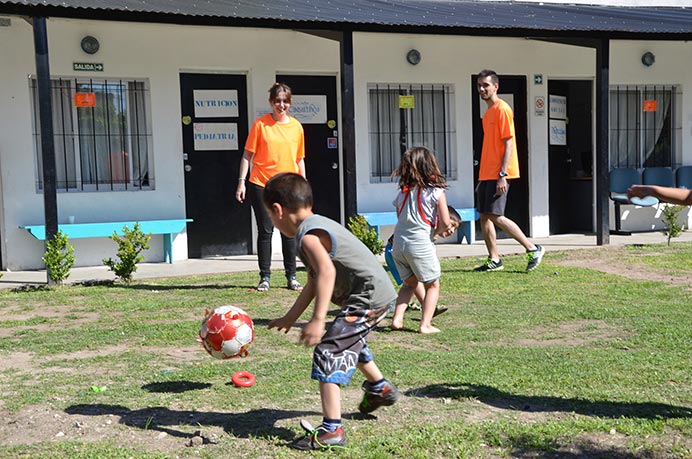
(264, 236)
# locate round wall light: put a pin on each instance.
(648, 58)
(90, 45)
(413, 57)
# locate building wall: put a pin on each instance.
(159, 52)
(452, 60)
(144, 51)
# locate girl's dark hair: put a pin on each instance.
(277, 88)
(290, 190)
(419, 167)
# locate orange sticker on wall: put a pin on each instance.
(85, 99)
(649, 105)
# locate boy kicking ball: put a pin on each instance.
(341, 269)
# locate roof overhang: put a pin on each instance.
(449, 17)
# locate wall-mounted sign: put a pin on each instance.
(309, 109)
(215, 103)
(84, 99)
(332, 143)
(215, 136)
(537, 79)
(407, 102)
(650, 105)
(87, 67)
(558, 107)
(558, 132)
(539, 106)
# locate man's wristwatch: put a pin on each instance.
(503, 174)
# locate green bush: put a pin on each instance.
(670, 220)
(59, 257)
(130, 246)
(368, 236)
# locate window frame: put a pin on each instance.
(136, 119)
(671, 122)
(412, 118)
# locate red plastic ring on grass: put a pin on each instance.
(243, 379)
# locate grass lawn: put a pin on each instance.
(589, 356)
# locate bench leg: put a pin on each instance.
(168, 248)
(466, 230)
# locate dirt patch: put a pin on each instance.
(568, 334)
(607, 262)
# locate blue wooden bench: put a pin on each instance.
(168, 228)
(466, 230)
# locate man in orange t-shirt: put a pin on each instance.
(499, 164)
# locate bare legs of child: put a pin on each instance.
(427, 295)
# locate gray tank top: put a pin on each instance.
(361, 281)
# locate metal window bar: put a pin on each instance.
(136, 146)
(63, 131)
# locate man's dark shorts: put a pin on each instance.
(488, 201)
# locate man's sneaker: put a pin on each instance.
(319, 438)
(373, 400)
(489, 265)
(535, 257)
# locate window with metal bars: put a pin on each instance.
(644, 126)
(405, 115)
(102, 134)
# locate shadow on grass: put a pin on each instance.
(244, 288)
(253, 423)
(504, 400)
(182, 287)
(175, 387)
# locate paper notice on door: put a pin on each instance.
(309, 109)
(558, 132)
(215, 136)
(215, 103)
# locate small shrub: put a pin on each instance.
(59, 257)
(130, 246)
(368, 236)
(670, 220)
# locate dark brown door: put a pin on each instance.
(512, 90)
(314, 105)
(214, 121)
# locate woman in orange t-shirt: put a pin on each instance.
(274, 145)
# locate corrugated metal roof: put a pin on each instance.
(377, 14)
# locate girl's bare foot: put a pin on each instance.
(428, 330)
(397, 324)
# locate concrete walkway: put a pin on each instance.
(249, 262)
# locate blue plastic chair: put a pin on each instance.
(661, 176)
(683, 177)
(620, 179)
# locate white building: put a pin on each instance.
(151, 125)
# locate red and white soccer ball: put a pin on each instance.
(227, 332)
